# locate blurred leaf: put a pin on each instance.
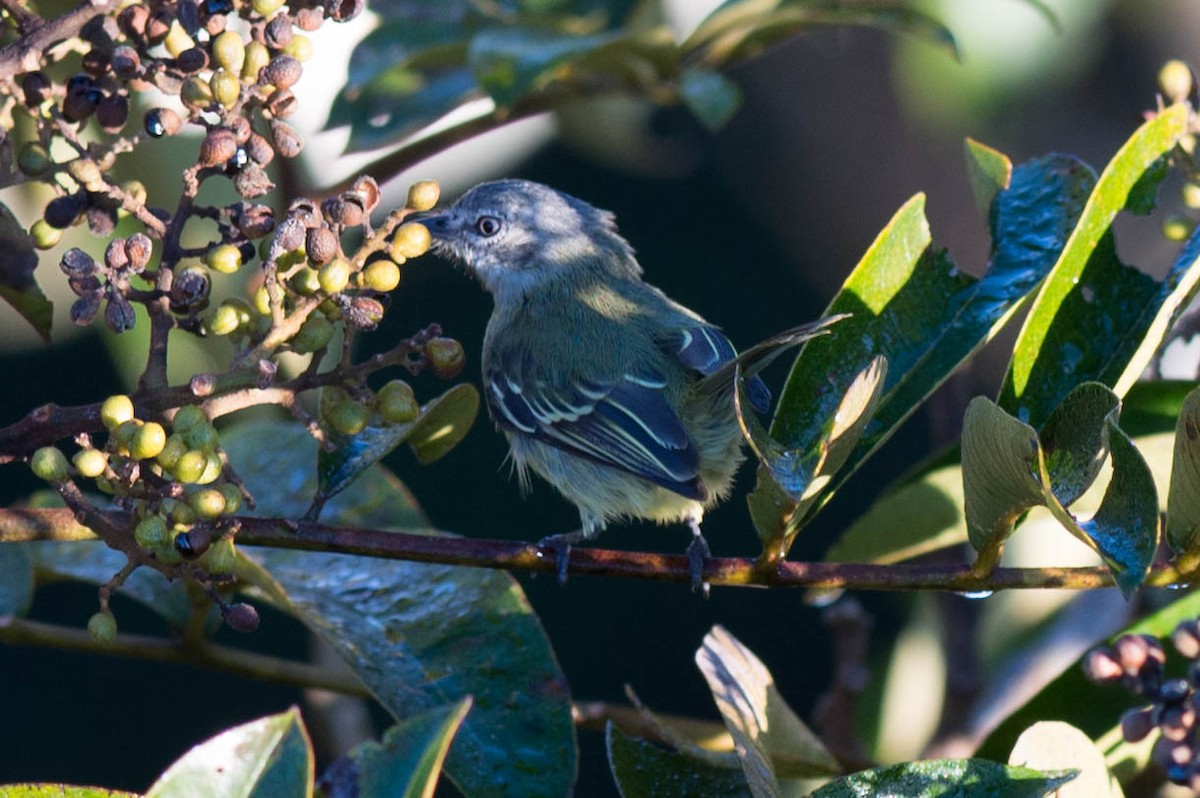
(1183, 500)
(1153, 407)
(16, 580)
(265, 758)
(1094, 710)
(1008, 468)
(912, 519)
(990, 172)
(60, 791)
(418, 636)
(406, 764)
(33, 306)
(92, 561)
(1054, 745)
(412, 42)
(1091, 319)
(711, 97)
(18, 260)
(739, 29)
(764, 728)
(509, 63)
(441, 425)
(398, 103)
(643, 770)
(946, 777)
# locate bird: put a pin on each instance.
(606, 388)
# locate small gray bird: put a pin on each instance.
(619, 397)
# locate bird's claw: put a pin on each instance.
(698, 554)
(561, 546)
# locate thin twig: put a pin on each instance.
(25, 54)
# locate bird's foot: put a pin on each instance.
(698, 554)
(561, 545)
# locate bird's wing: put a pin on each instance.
(624, 422)
(705, 349)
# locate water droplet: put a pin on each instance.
(1179, 586)
(818, 597)
(976, 594)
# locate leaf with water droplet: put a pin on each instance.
(944, 778)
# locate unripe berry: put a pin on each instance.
(266, 8)
(305, 282)
(348, 418)
(423, 195)
(446, 357)
(33, 159)
(90, 462)
(334, 276)
(201, 436)
(172, 451)
(187, 417)
(224, 258)
(190, 466)
(182, 516)
(226, 88)
(412, 240)
(396, 403)
(299, 47)
(233, 498)
(50, 464)
(212, 469)
(147, 441)
(102, 627)
(196, 93)
(151, 532)
(115, 411)
(1175, 81)
(44, 235)
(1176, 227)
(208, 504)
(381, 275)
(257, 56)
(223, 321)
(177, 40)
(315, 333)
(221, 557)
(229, 51)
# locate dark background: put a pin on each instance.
(756, 235)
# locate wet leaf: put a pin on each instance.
(418, 636)
(1091, 319)
(934, 778)
(642, 770)
(264, 758)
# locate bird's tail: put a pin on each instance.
(753, 360)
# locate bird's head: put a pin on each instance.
(516, 234)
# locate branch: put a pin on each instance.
(226, 659)
(516, 555)
(25, 54)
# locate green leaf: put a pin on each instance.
(1008, 468)
(442, 423)
(418, 636)
(398, 103)
(60, 791)
(265, 758)
(946, 777)
(33, 306)
(990, 172)
(18, 260)
(738, 29)
(643, 770)
(764, 728)
(1093, 313)
(1054, 745)
(406, 764)
(1183, 499)
(16, 580)
(1072, 698)
(710, 96)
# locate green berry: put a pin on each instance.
(224, 258)
(102, 627)
(221, 557)
(266, 8)
(208, 504)
(233, 497)
(1175, 81)
(229, 51)
(1176, 227)
(182, 516)
(424, 195)
(396, 403)
(33, 159)
(315, 333)
(178, 40)
(412, 240)
(334, 276)
(174, 448)
(348, 418)
(151, 532)
(257, 57)
(187, 417)
(190, 466)
(44, 235)
(445, 356)
(381, 276)
(201, 436)
(116, 410)
(147, 441)
(212, 469)
(305, 282)
(167, 554)
(50, 464)
(299, 47)
(125, 431)
(1191, 195)
(226, 88)
(222, 321)
(196, 92)
(90, 462)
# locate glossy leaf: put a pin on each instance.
(1053, 745)
(933, 778)
(742, 28)
(1093, 313)
(60, 791)
(16, 580)
(405, 764)
(1070, 697)
(442, 423)
(643, 770)
(711, 97)
(418, 636)
(1008, 468)
(261, 759)
(764, 728)
(990, 172)
(1183, 500)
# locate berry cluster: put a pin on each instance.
(1137, 662)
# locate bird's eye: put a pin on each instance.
(487, 226)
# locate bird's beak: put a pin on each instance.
(434, 220)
